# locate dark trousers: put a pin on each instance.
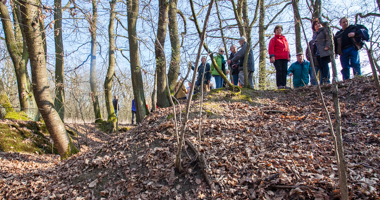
(281, 66)
(133, 116)
(324, 69)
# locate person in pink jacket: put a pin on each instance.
(279, 55)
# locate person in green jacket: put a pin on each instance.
(220, 62)
(301, 71)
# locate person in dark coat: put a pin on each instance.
(234, 66)
(239, 57)
(322, 52)
(206, 77)
(115, 103)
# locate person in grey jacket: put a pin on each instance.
(322, 51)
(239, 57)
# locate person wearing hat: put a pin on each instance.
(300, 71)
(219, 59)
(239, 58)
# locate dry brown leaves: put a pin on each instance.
(251, 154)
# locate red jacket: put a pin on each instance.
(279, 47)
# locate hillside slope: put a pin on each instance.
(259, 145)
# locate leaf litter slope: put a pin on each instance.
(272, 145)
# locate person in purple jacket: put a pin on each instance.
(133, 110)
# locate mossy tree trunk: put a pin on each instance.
(59, 100)
(54, 124)
(111, 65)
(4, 101)
(18, 52)
(93, 78)
(174, 41)
(159, 45)
(137, 82)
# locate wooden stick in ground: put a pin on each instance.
(200, 108)
(202, 164)
(342, 169)
(174, 112)
(181, 139)
(374, 72)
(338, 142)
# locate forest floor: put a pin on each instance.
(258, 145)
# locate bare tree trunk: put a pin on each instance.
(19, 55)
(174, 41)
(263, 50)
(317, 9)
(94, 89)
(159, 45)
(59, 100)
(54, 124)
(111, 65)
(297, 25)
(137, 82)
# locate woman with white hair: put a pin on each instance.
(219, 59)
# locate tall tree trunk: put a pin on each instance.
(94, 90)
(59, 100)
(159, 45)
(297, 25)
(111, 67)
(174, 41)
(19, 55)
(263, 49)
(317, 9)
(54, 124)
(137, 82)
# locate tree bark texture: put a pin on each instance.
(263, 49)
(19, 55)
(59, 100)
(54, 124)
(175, 44)
(297, 26)
(159, 46)
(94, 90)
(374, 72)
(317, 9)
(111, 65)
(137, 82)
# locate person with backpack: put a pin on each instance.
(348, 41)
(279, 55)
(234, 66)
(321, 44)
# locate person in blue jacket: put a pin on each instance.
(133, 110)
(300, 71)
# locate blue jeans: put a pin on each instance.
(350, 58)
(116, 113)
(236, 79)
(218, 81)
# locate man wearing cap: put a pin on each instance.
(220, 62)
(239, 57)
(301, 71)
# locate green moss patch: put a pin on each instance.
(17, 116)
(25, 137)
(106, 126)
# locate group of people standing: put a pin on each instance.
(347, 45)
(348, 42)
